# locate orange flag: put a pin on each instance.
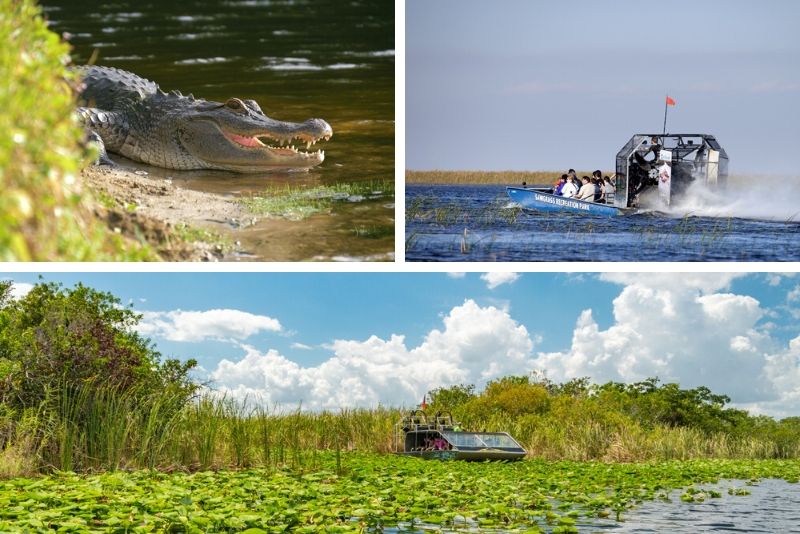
(670, 102)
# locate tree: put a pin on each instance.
(56, 337)
(452, 397)
(512, 395)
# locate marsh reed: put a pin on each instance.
(92, 428)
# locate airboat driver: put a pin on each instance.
(655, 147)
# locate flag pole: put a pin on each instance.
(664, 132)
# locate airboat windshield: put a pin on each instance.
(483, 440)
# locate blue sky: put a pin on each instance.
(298, 337)
(532, 85)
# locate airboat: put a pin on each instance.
(666, 163)
(443, 439)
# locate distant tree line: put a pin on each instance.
(648, 404)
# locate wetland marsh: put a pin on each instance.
(100, 433)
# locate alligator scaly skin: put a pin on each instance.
(138, 120)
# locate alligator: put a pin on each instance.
(131, 116)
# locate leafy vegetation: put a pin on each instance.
(77, 384)
(44, 214)
(365, 492)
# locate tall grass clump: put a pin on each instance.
(44, 215)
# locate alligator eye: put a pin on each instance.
(235, 104)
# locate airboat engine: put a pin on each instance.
(670, 163)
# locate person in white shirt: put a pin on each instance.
(570, 189)
(587, 190)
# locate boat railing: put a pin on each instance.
(444, 421)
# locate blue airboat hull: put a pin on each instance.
(540, 201)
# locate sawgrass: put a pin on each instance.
(94, 428)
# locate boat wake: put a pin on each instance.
(758, 197)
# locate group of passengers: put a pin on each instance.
(434, 444)
(597, 188)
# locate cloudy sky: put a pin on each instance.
(535, 85)
(333, 340)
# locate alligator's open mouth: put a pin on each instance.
(263, 141)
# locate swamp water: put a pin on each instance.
(480, 223)
(772, 506)
(297, 59)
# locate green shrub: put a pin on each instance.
(44, 215)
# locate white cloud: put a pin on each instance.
(794, 294)
(680, 330)
(219, 324)
(301, 346)
(496, 279)
(456, 275)
(703, 282)
(774, 279)
(685, 328)
(475, 344)
(20, 289)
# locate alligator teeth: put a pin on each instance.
(308, 145)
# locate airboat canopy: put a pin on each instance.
(672, 163)
(443, 439)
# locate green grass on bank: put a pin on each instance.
(298, 203)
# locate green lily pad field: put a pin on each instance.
(366, 492)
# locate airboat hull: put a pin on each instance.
(475, 456)
(540, 201)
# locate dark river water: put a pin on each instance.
(298, 59)
(480, 223)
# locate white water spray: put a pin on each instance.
(770, 198)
